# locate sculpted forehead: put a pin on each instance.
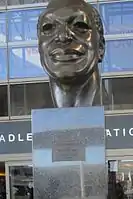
(66, 13)
(57, 4)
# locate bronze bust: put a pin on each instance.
(71, 44)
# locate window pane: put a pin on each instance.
(2, 2)
(118, 56)
(2, 27)
(17, 100)
(21, 178)
(117, 17)
(120, 91)
(38, 96)
(22, 25)
(123, 175)
(29, 96)
(3, 101)
(25, 62)
(3, 64)
(15, 2)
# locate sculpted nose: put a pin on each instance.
(64, 35)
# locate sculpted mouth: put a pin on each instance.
(67, 55)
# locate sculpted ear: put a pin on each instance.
(39, 26)
(101, 49)
(100, 31)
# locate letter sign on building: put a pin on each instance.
(119, 131)
(16, 136)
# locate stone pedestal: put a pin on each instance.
(69, 153)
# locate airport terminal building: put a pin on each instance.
(24, 86)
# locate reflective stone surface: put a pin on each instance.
(69, 153)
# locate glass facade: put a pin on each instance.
(20, 67)
(117, 16)
(122, 174)
(22, 24)
(25, 97)
(21, 181)
(29, 62)
(24, 83)
(120, 93)
(116, 56)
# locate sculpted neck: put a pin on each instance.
(72, 95)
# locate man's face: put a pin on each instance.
(68, 42)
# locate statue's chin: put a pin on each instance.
(69, 77)
(65, 74)
(67, 70)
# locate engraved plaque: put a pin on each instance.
(69, 153)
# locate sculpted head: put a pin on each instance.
(71, 41)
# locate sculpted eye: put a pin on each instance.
(48, 27)
(81, 26)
